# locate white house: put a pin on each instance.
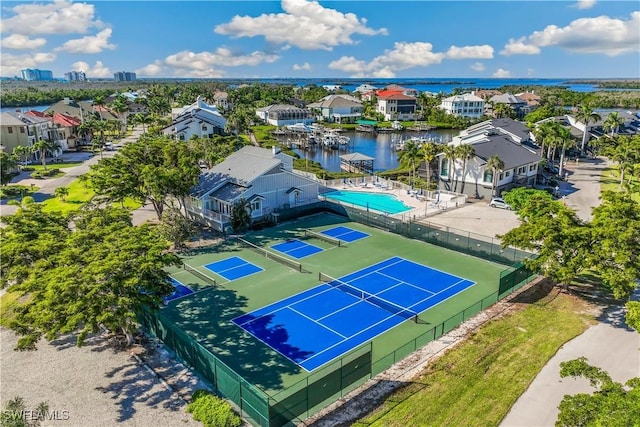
(465, 105)
(265, 178)
(198, 119)
(283, 115)
(506, 138)
(365, 87)
(395, 105)
(338, 108)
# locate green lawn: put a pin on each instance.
(63, 165)
(476, 383)
(610, 180)
(79, 193)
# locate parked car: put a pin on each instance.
(551, 169)
(498, 202)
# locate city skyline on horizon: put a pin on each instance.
(303, 39)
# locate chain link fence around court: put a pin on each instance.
(484, 247)
(339, 377)
(324, 385)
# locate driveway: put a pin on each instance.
(47, 187)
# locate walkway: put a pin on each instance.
(47, 187)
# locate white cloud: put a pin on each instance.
(304, 66)
(58, 17)
(470, 52)
(205, 64)
(530, 72)
(150, 70)
(519, 47)
(98, 70)
(585, 4)
(305, 24)
(599, 35)
(478, 66)
(12, 64)
(18, 41)
(500, 73)
(89, 44)
(406, 55)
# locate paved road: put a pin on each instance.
(47, 187)
(582, 188)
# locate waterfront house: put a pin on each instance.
(465, 105)
(61, 128)
(506, 138)
(517, 105)
(198, 119)
(284, 114)
(364, 88)
(395, 105)
(264, 178)
(338, 109)
(82, 110)
(401, 89)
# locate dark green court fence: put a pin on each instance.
(323, 386)
(339, 377)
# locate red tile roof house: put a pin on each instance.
(63, 128)
(395, 105)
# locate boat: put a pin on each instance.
(332, 139)
(299, 127)
(396, 125)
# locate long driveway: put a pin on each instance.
(47, 187)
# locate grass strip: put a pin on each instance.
(79, 193)
(477, 383)
(610, 181)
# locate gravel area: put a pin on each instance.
(92, 385)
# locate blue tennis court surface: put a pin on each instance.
(296, 248)
(233, 268)
(179, 291)
(345, 234)
(322, 323)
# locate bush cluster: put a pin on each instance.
(212, 411)
(45, 173)
(14, 191)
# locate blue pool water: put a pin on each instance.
(386, 203)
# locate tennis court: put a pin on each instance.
(316, 326)
(296, 248)
(345, 234)
(179, 291)
(233, 268)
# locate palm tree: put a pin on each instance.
(613, 122)
(586, 115)
(98, 101)
(563, 140)
(144, 120)
(502, 110)
(429, 151)
(62, 193)
(496, 164)
(22, 153)
(450, 153)
(42, 146)
(465, 152)
(121, 107)
(240, 217)
(542, 133)
(412, 156)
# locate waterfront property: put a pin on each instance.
(338, 108)
(263, 178)
(465, 105)
(395, 105)
(283, 115)
(506, 138)
(198, 119)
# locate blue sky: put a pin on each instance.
(334, 39)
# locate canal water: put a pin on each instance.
(380, 146)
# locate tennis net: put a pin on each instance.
(323, 237)
(270, 255)
(382, 303)
(199, 274)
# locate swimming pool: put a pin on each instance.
(386, 203)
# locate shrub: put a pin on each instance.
(39, 174)
(212, 411)
(10, 191)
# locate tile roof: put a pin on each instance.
(392, 94)
(65, 120)
(511, 153)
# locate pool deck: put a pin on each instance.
(420, 206)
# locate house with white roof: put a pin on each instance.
(284, 115)
(198, 119)
(363, 88)
(506, 138)
(465, 105)
(338, 108)
(264, 178)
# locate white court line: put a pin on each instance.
(314, 321)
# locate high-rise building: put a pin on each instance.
(31, 74)
(124, 76)
(75, 76)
